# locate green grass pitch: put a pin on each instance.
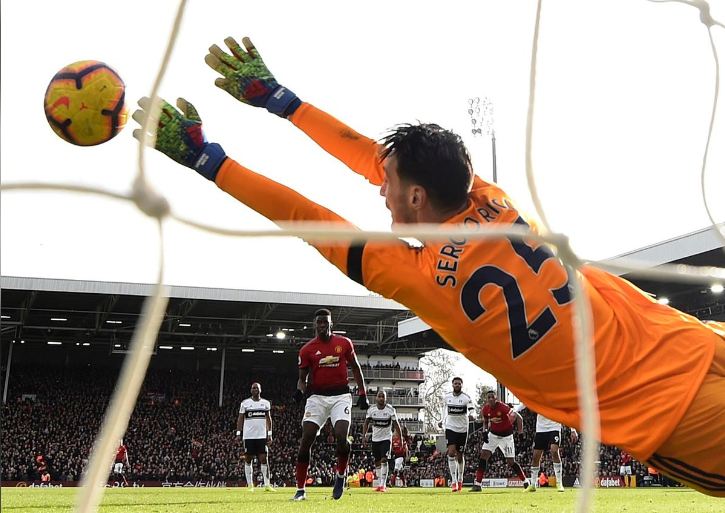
(409, 500)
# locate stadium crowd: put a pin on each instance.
(178, 432)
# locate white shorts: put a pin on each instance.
(399, 463)
(118, 467)
(625, 470)
(505, 443)
(319, 408)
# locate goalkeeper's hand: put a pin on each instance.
(362, 402)
(248, 79)
(179, 136)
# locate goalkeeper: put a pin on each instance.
(503, 303)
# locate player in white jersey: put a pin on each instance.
(548, 436)
(456, 406)
(384, 419)
(254, 425)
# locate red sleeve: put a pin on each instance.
(303, 361)
(350, 351)
(359, 153)
(504, 408)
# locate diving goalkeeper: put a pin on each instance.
(503, 303)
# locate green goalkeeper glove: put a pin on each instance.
(179, 136)
(248, 79)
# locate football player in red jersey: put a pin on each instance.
(625, 469)
(498, 434)
(120, 461)
(400, 454)
(323, 363)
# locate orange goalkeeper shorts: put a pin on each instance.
(694, 454)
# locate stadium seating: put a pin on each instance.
(178, 431)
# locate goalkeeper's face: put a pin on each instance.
(399, 195)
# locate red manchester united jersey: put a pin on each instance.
(626, 458)
(398, 447)
(121, 453)
(499, 422)
(327, 362)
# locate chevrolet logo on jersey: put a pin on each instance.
(255, 414)
(329, 361)
(454, 409)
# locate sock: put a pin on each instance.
(479, 476)
(534, 474)
(342, 464)
(384, 475)
(557, 472)
(301, 474)
(453, 468)
(519, 471)
(265, 473)
(461, 468)
(248, 474)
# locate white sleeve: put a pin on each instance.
(241, 407)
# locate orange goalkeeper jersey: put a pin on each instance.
(506, 304)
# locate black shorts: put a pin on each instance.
(543, 440)
(457, 439)
(255, 446)
(381, 450)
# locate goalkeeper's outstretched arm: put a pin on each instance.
(246, 77)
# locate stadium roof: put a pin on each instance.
(105, 313)
(39, 310)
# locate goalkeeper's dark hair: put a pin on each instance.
(434, 158)
(323, 312)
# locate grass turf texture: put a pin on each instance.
(222, 500)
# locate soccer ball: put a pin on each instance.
(85, 103)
